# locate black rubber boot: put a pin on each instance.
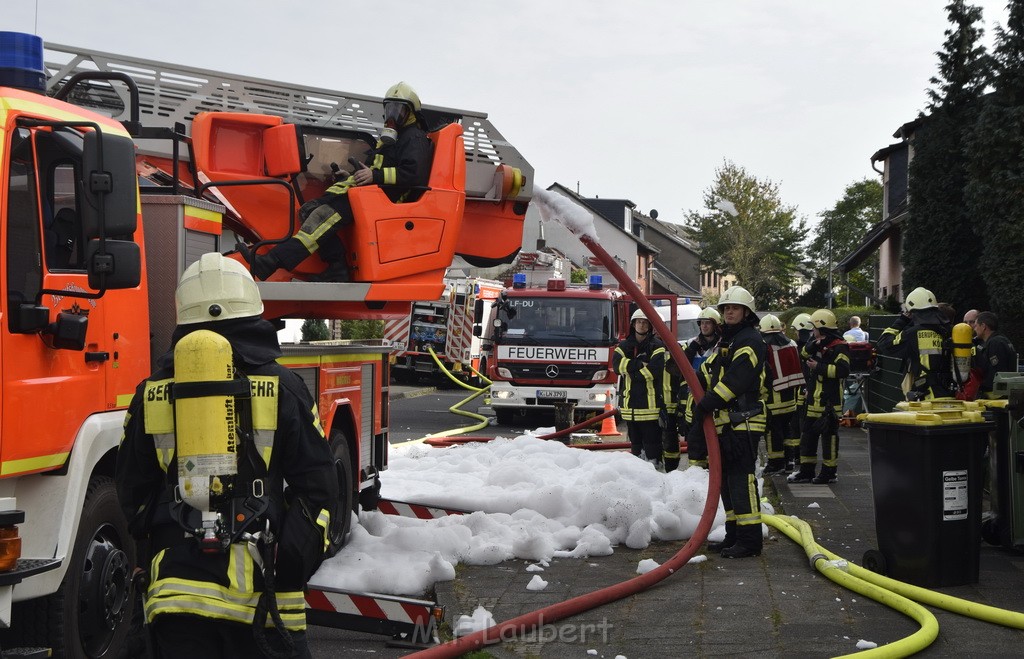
(263, 265)
(827, 475)
(740, 551)
(730, 539)
(774, 466)
(671, 464)
(748, 543)
(337, 271)
(805, 475)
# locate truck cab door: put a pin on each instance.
(47, 393)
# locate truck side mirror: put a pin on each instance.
(67, 332)
(108, 174)
(28, 318)
(118, 266)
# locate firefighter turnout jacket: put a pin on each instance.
(640, 365)
(734, 378)
(924, 342)
(289, 446)
(400, 167)
(828, 377)
(784, 373)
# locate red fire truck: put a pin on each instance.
(99, 218)
(445, 326)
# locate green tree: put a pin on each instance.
(578, 276)
(314, 329)
(358, 330)
(996, 187)
(840, 231)
(745, 229)
(940, 248)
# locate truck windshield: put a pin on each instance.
(560, 321)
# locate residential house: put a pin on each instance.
(631, 253)
(885, 237)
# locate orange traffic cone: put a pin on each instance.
(608, 423)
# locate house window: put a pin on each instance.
(896, 185)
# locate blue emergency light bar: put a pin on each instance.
(596, 282)
(21, 62)
(519, 280)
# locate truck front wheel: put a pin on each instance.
(88, 616)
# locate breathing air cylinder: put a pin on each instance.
(206, 432)
(963, 347)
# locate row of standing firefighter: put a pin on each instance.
(756, 382)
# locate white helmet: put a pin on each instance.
(770, 323)
(216, 288)
(824, 319)
(737, 295)
(710, 313)
(637, 315)
(802, 321)
(920, 298)
(403, 92)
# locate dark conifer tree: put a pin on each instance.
(941, 249)
(996, 188)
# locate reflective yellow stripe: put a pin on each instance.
(746, 350)
(265, 389)
(9, 467)
(724, 392)
(342, 187)
(324, 521)
(390, 175)
(240, 569)
(124, 400)
(164, 445)
(157, 410)
(58, 112)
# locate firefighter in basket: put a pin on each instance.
(400, 162)
(209, 441)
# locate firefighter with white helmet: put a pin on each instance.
(698, 350)
(400, 163)
(785, 378)
(732, 379)
(210, 439)
(828, 364)
(922, 337)
(640, 362)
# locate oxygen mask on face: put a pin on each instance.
(395, 116)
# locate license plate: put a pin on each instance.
(550, 394)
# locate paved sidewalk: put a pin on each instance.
(769, 606)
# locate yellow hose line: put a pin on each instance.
(450, 375)
(800, 532)
(483, 378)
(1003, 617)
(457, 407)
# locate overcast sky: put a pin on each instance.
(639, 100)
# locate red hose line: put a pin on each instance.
(528, 621)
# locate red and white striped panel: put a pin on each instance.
(397, 332)
(403, 509)
(395, 609)
(460, 333)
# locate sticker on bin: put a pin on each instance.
(954, 495)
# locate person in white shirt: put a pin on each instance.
(855, 333)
